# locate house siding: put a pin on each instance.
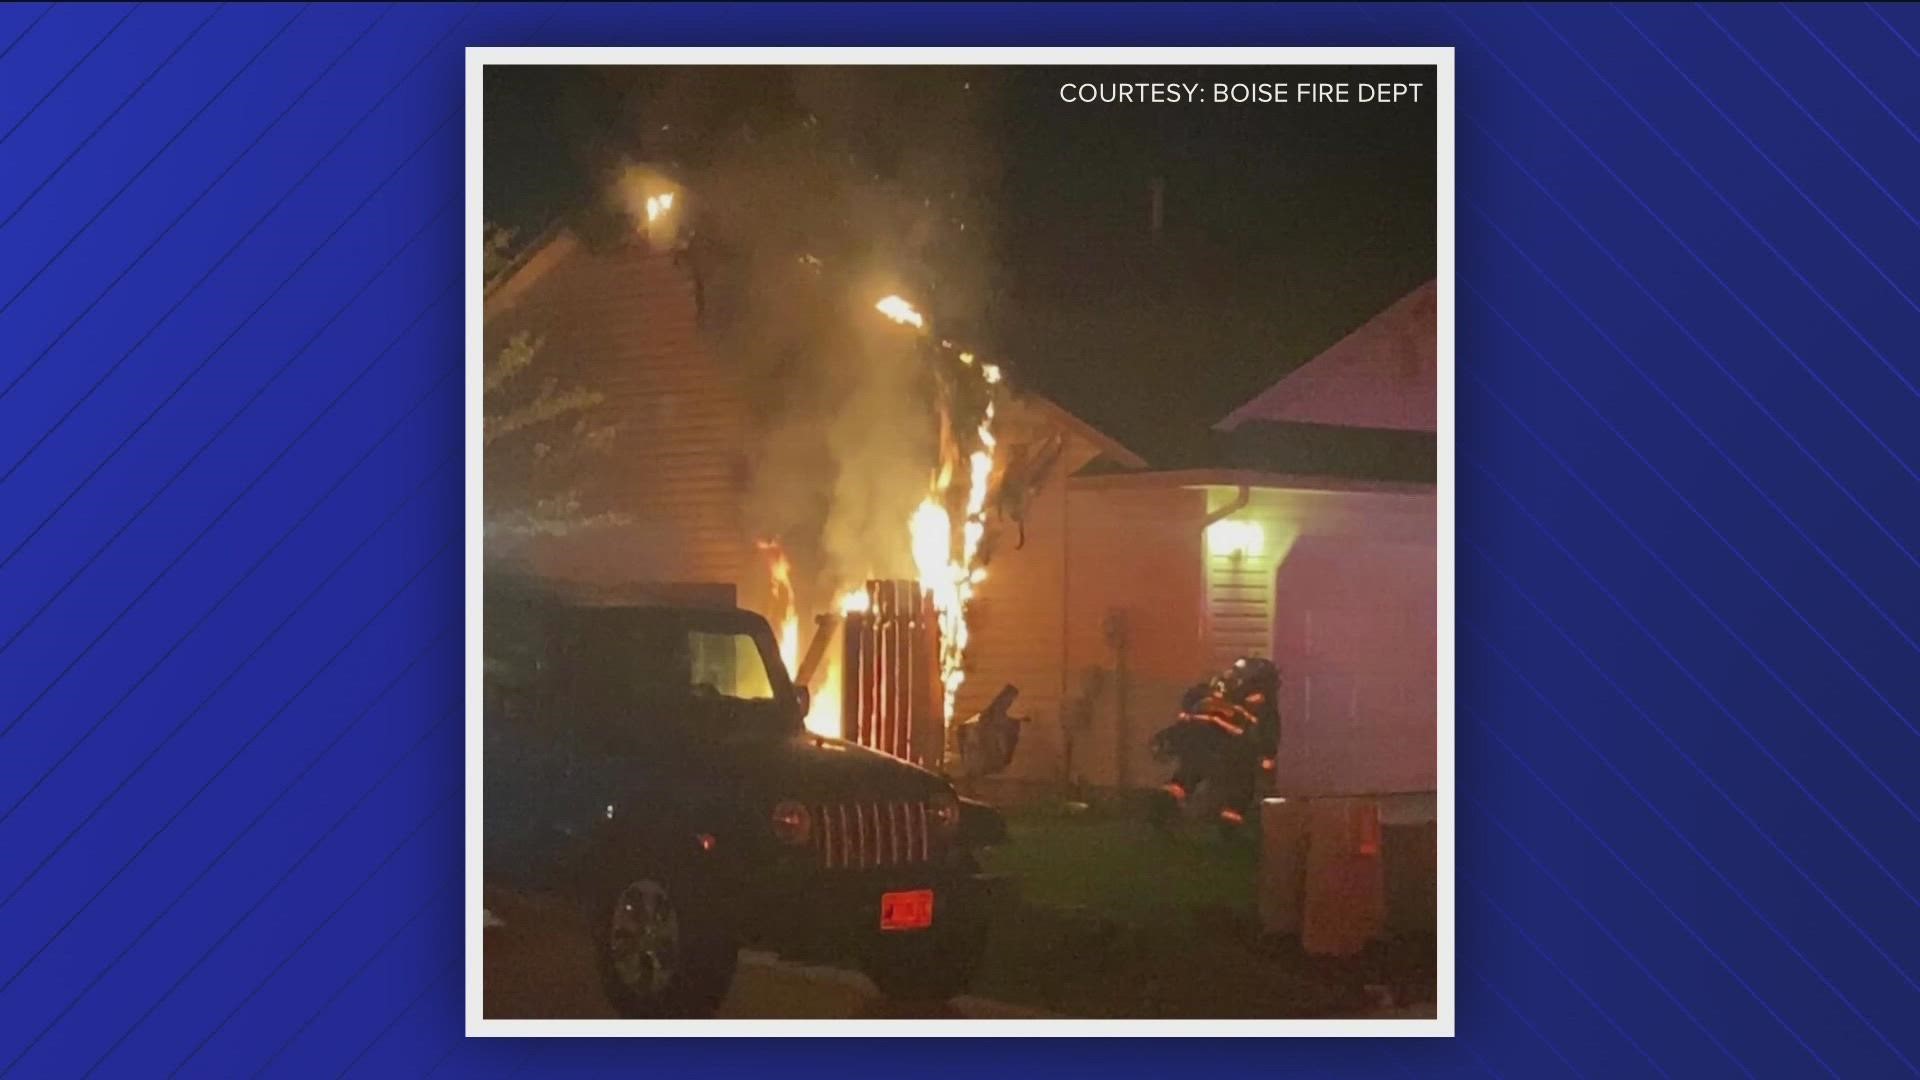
(626, 323)
(1018, 616)
(1239, 584)
(1134, 553)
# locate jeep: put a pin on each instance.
(650, 763)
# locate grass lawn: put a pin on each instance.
(1111, 917)
(1124, 869)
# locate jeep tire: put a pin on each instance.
(661, 949)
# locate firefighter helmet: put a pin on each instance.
(1250, 676)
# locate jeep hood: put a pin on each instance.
(812, 769)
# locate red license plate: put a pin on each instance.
(906, 910)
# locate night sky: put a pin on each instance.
(1284, 225)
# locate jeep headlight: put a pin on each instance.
(943, 809)
(792, 823)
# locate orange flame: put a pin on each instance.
(824, 717)
(946, 570)
(784, 615)
(949, 567)
(897, 309)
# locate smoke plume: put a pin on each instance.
(809, 194)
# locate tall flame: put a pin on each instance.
(824, 718)
(942, 575)
(931, 530)
(783, 614)
(950, 575)
(823, 715)
(948, 563)
(967, 570)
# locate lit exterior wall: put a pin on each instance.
(1340, 593)
(1336, 586)
(1240, 552)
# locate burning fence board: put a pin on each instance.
(893, 698)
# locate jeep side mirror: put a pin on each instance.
(803, 698)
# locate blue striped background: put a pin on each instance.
(230, 506)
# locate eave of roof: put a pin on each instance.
(1251, 478)
(1109, 446)
(546, 251)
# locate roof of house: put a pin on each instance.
(1294, 449)
(534, 259)
(1362, 407)
(1361, 410)
(1382, 375)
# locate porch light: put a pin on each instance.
(1235, 539)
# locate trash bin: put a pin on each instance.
(1283, 864)
(1410, 835)
(1345, 905)
(1322, 872)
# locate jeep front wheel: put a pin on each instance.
(661, 955)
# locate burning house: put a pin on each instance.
(1096, 571)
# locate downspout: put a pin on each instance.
(1238, 504)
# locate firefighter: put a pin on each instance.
(1226, 737)
(1192, 743)
(1254, 684)
(1252, 688)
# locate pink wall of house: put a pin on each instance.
(1353, 630)
(1338, 588)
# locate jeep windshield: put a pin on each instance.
(672, 668)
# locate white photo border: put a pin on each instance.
(1441, 59)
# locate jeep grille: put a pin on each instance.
(871, 834)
